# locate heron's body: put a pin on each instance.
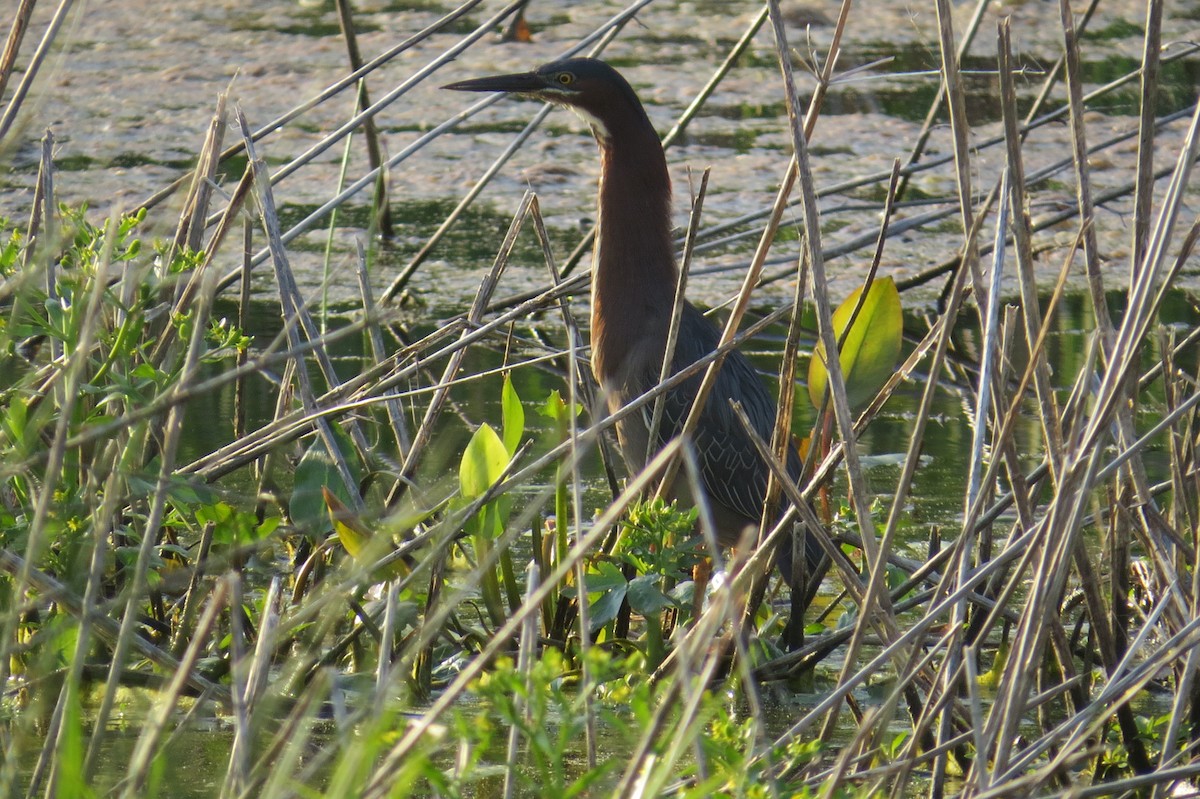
(634, 279)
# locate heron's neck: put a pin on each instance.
(634, 271)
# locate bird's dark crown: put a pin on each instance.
(587, 84)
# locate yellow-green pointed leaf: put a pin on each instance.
(483, 462)
(513, 414)
(870, 350)
(362, 544)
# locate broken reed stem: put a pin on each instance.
(296, 319)
(1023, 248)
(935, 108)
(380, 204)
(1143, 194)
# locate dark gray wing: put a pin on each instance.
(733, 473)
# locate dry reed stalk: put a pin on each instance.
(1023, 247)
(296, 315)
(1065, 511)
(137, 586)
(976, 490)
(250, 682)
(190, 231)
(40, 230)
(982, 145)
(1144, 191)
(395, 408)
(235, 772)
(192, 597)
(939, 100)
(12, 44)
(975, 518)
(1016, 549)
(685, 265)
(824, 311)
(370, 130)
(781, 438)
(577, 382)
(875, 552)
(1083, 185)
(525, 656)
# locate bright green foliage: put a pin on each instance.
(513, 414)
(549, 713)
(234, 526)
(871, 348)
(483, 462)
(658, 541)
(654, 537)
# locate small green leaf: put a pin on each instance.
(645, 596)
(482, 463)
(871, 348)
(513, 414)
(16, 419)
(554, 408)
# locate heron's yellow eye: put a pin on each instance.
(566, 78)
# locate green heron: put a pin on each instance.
(634, 279)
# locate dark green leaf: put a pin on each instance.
(605, 609)
(646, 597)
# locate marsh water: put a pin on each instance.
(129, 102)
(130, 89)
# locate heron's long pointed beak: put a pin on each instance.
(520, 83)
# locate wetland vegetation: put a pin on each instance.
(286, 510)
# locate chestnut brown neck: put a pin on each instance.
(634, 272)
